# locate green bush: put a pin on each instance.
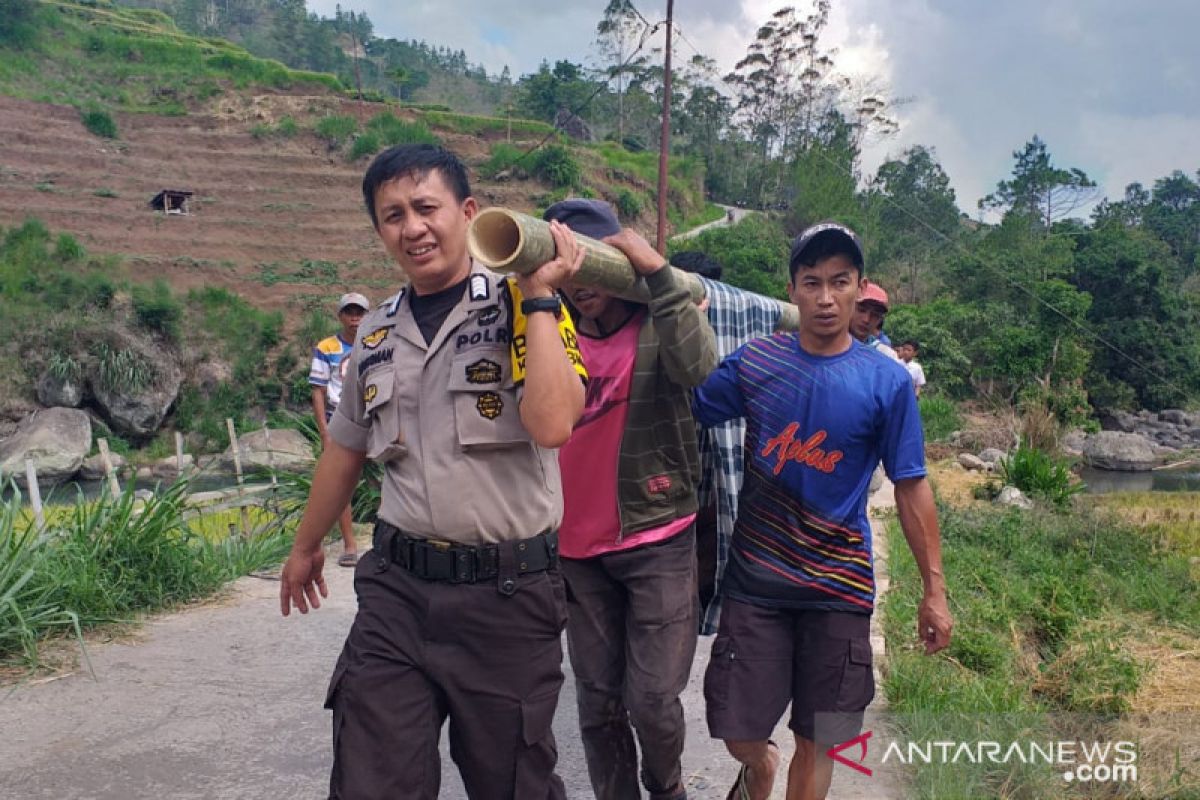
(1039, 474)
(18, 23)
(753, 254)
(100, 123)
(555, 165)
(68, 248)
(287, 128)
(391, 130)
(122, 369)
(336, 128)
(505, 157)
(939, 417)
(365, 144)
(156, 309)
(629, 204)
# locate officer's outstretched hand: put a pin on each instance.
(644, 258)
(549, 277)
(302, 582)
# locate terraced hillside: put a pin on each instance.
(275, 219)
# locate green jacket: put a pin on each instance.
(658, 468)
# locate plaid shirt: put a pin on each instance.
(736, 317)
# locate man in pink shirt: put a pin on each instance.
(628, 538)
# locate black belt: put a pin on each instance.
(432, 560)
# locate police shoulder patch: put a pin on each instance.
(489, 405)
(375, 338)
(483, 371)
(480, 288)
(488, 315)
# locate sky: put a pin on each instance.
(1112, 86)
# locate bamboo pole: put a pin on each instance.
(509, 241)
(179, 452)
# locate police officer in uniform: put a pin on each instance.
(462, 385)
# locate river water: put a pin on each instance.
(1102, 481)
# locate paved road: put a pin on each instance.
(739, 214)
(224, 701)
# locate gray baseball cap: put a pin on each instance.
(354, 299)
(821, 230)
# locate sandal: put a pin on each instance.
(347, 560)
(741, 789)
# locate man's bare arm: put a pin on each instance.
(918, 519)
(333, 483)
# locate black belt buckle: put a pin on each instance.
(463, 565)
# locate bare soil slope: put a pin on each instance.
(280, 221)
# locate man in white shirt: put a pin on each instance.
(908, 354)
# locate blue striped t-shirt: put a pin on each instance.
(816, 427)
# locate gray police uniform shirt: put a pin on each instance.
(443, 418)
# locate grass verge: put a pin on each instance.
(107, 560)
(1047, 610)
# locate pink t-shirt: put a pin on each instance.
(591, 523)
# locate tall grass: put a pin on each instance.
(108, 559)
(1044, 607)
(939, 417)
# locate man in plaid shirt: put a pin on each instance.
(736, 317)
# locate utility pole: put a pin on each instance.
(665, 143)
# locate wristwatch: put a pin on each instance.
(531, 305)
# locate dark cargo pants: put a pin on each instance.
(420, 652)
(631, 631)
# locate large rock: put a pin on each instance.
(1124, 421)
(992, 456)
(93, 466)
(56, 439)
(1012, 496)
(1073, 442)
(136, 413)
(973, 463)
(167, 469)
(290, 451)
(1175, 416)
(1127, 452)
(56, 392)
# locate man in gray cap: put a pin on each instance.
(628, 537)
(330, 357)
(821, 411)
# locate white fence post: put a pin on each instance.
(35, 494)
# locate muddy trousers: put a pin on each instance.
(420, 652)
(631, 632)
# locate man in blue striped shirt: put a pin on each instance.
(821, 411)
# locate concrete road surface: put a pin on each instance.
(739, 214)
(224, 701)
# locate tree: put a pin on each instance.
(1138, 308)
(548, 90)
(1173, 214)
(916, 218)
(788, 88)
(1039, 189)
(619, 35)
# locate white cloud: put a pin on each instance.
(1111, 86)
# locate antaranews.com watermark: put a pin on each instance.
(1029, 755)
